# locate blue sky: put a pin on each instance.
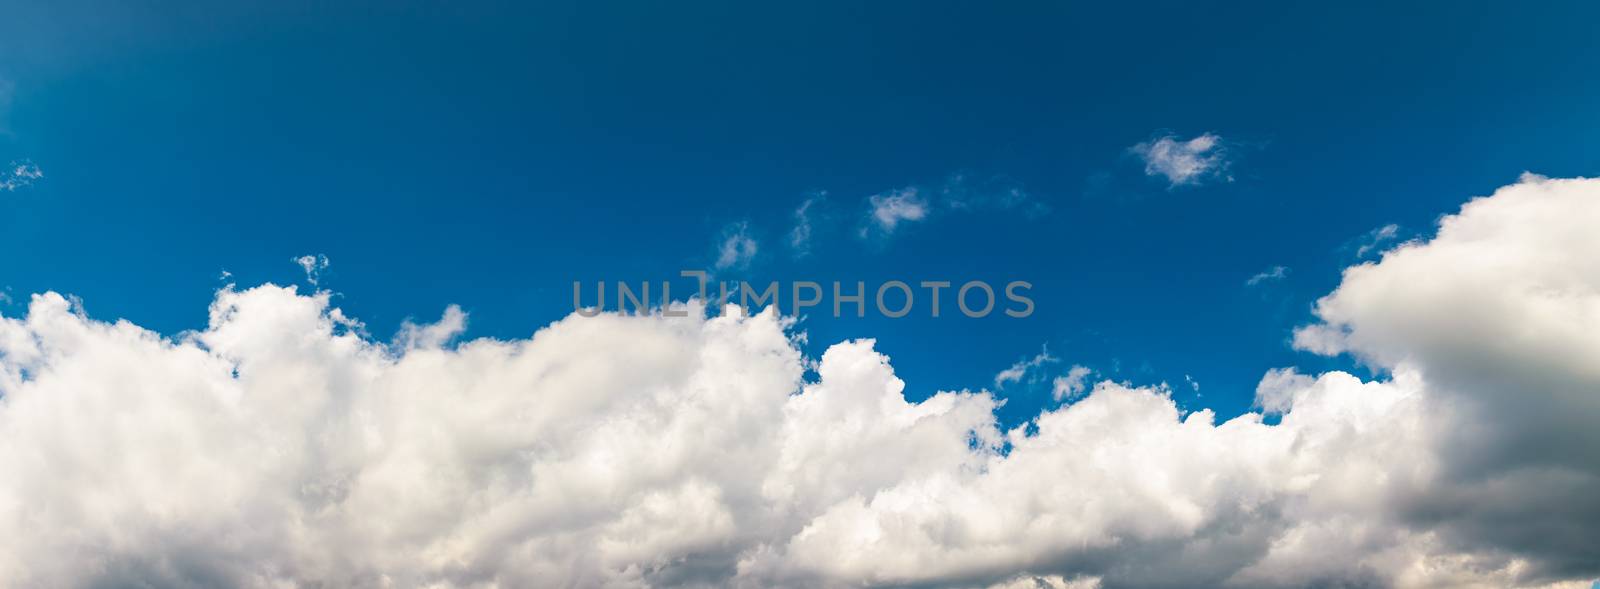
(487, 156)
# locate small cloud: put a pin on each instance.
(1272, 274)
(313, 265)
(800, 235)
(1276, 392)
(1017, 371)
(19, 174)
(1321, 339)
(435, 335)
(961, 193)
(887, 211)
(737, 247)
(1184, 161)
(1074, 382)
(1374, 240)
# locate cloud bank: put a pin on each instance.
(280, 447)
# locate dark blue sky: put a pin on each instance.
(489, 155)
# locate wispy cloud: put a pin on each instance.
(736, 248)
(961, 192)
(1272, 274)
(1374, 240)
(313, 266)
(1184, 162)
(1021, 369)
(19, 174)
(804, 225)
(887, 211)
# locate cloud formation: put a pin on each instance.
(19, 174)
(1075, 381)
(1021, 369)
(737, 248)
(958, 193)
(888, 211)
(1184, 162)
(280, 447)
(313, 265)
(962, 192)
(1375, 240)
(804, 225)
(1272, 274)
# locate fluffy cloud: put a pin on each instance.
(1183, 161)
(1500, 314)
(279, 446)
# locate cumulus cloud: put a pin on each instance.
(277, 448)
(19, 174)
(736, 248)
(1500, 314)
(1184, 161)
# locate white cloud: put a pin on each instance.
(800, 235)
(961, 193)
(736, 248)
(888, 211)
(433, 335)
(313, 265)
(1275, 393)
(1376, 239)
(1184, 161)
(19, 174)
(1017, 371)
(1272, 274)
(275, 448)
(1070, 384)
